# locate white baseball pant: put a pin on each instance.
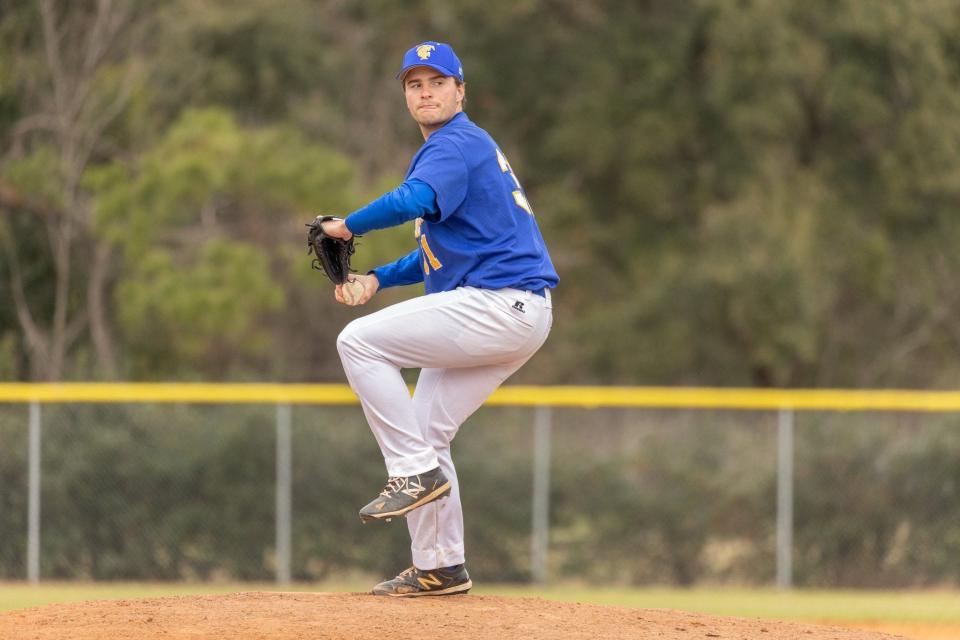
(466, 343)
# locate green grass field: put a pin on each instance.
(925, 607)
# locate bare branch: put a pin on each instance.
(98, 311)
(105, 116)
(75, 329)
(27, 125)
(946, 284)
(78, 42)
(97, 42)
(61, 301)
(51, 43)
(35, 338)
(101, 37)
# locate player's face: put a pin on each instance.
(432, 97)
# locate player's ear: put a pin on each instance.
(462, 93)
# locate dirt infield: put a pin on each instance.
(289, 616)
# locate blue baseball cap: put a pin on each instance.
(435, 55)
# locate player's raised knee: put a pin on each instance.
(349, 339)
(344, 340)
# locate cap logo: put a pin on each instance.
(424, 50)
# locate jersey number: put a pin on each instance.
(429, 256)
(518, 196)
(429, 260)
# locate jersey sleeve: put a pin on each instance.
(412, 199)
(443, 168)
(405, 270)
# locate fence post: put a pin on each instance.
(284, 492)
(540, 538)
(33, 495)
(785, 499)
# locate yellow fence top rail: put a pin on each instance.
(513, 395)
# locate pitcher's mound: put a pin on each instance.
(290, 616)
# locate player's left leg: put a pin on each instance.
(433, 331)
(462, 329)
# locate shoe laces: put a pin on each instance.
(407, 572)
(394, 485)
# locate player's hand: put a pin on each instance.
(337, 229)
(357, 290)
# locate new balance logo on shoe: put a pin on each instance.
(403, 494)
(428, 580)
(413, 582)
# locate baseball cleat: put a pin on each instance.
(415, 582)
(403, 494)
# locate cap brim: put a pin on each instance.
(445, 71)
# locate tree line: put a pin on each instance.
(751, 193)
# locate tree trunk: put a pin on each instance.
(100, 330)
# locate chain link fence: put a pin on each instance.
(255, 492)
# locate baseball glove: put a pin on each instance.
(332, 254)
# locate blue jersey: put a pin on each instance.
(484, 233)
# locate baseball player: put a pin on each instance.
(486, 311)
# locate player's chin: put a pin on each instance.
(431, 118)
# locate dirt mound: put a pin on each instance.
(289, 616)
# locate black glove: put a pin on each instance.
(332, 254)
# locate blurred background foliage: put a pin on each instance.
(747, 193)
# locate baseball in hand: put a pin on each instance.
(351, 291)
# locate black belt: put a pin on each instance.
(540, 292)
